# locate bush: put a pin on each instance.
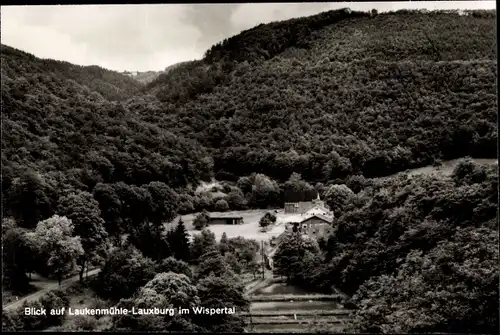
(17, 320)
(221, 205)
(172, 264)
(12, 321)
(82, 323)
(268, 219)
(201, 220)
(55, 299)
(31, 322)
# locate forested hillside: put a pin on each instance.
(94, 163)
(109, 84)
(340, 93)
(419, 254)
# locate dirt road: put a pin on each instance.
(46, 287)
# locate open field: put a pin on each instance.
(446, 167)
(249, 229)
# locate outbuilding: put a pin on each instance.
(225, 219)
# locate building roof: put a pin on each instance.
(222, 216)
(320, 207)
(304, 206)
(319, 216)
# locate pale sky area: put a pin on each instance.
(152, 37)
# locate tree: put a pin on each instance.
(232, 261)
(13, 321)
(20, 255)
(296, 189)
(202, 243)
(30, 199)
(54, 300)
(201, 220)
(245, 250)
(428, 293)
(166, 291)
(290, 255)
(245, 184)
(171, 264)
(212, 262)
(267, 219)
(124, 272)
(178, 239)
(236, 199)
(151, 240)
(83, 211)
(135, 204)
(223, 244)
(337, 197)
(221, 205)
(59, 247)
(468, 172)
(253, 267)
(165, 203)
(186, 204)
(111, 210)
(356, 183)
(31, 322)
(217, 292)
(265, 192)
(16, 258)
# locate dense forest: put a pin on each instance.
(418, 254)
(95, 162)
(367, 94)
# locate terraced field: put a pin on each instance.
(279, 308)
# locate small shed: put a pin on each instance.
(225, 219)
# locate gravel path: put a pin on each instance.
(45, 287)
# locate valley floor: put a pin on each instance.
(278, 307)
(250, 228)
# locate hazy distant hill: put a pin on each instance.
(149, 76)
(175, 66)
(143, 77)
